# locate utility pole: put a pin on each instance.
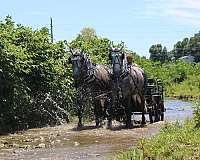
(51, 25)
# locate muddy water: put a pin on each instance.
(66, 142)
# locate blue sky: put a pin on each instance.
(138, 23)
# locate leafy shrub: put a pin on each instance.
(30, 69)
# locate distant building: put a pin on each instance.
(188, 58)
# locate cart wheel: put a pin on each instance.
(162, 111)
(157, 115)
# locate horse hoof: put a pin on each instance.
(79, 125)
(97, 124)
(109, 125)
(143, 124)
(130, 126)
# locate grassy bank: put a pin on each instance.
(175, 141)
(187, 90)
(181, 80)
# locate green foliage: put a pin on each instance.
(174, 142)
(181, 79)
(31, 68)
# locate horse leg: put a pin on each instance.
(102, 108)
(128, 114)
(97, 113)
(109, 123)
(143, 110)
(96, 117)
(80, 116)
(109, 115)
(79, 104)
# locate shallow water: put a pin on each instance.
(178, 110)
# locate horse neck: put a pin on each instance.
(87, 70)
(101, 78)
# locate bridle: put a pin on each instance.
(117, 56)
(85, 66)
(118, 60)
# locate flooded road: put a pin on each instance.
(65, 142)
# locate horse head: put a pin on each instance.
(117, 56)
(81, 63)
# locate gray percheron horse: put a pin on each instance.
(128, 85)
(92, 77)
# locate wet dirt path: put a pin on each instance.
(65, 142)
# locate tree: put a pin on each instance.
(153, 53)
(164, 55)
(88, 33)
(93, 45)
(188, 46)
(158, 53)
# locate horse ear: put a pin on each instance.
(110, 46)
(110, 56)
(122, 45)
(69, 60)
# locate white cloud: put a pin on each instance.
(185, 12)
(193, 4)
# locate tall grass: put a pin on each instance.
(174, 142)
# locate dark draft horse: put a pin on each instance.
(128, 87)
(95, 79)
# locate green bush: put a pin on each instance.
(31, 68)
